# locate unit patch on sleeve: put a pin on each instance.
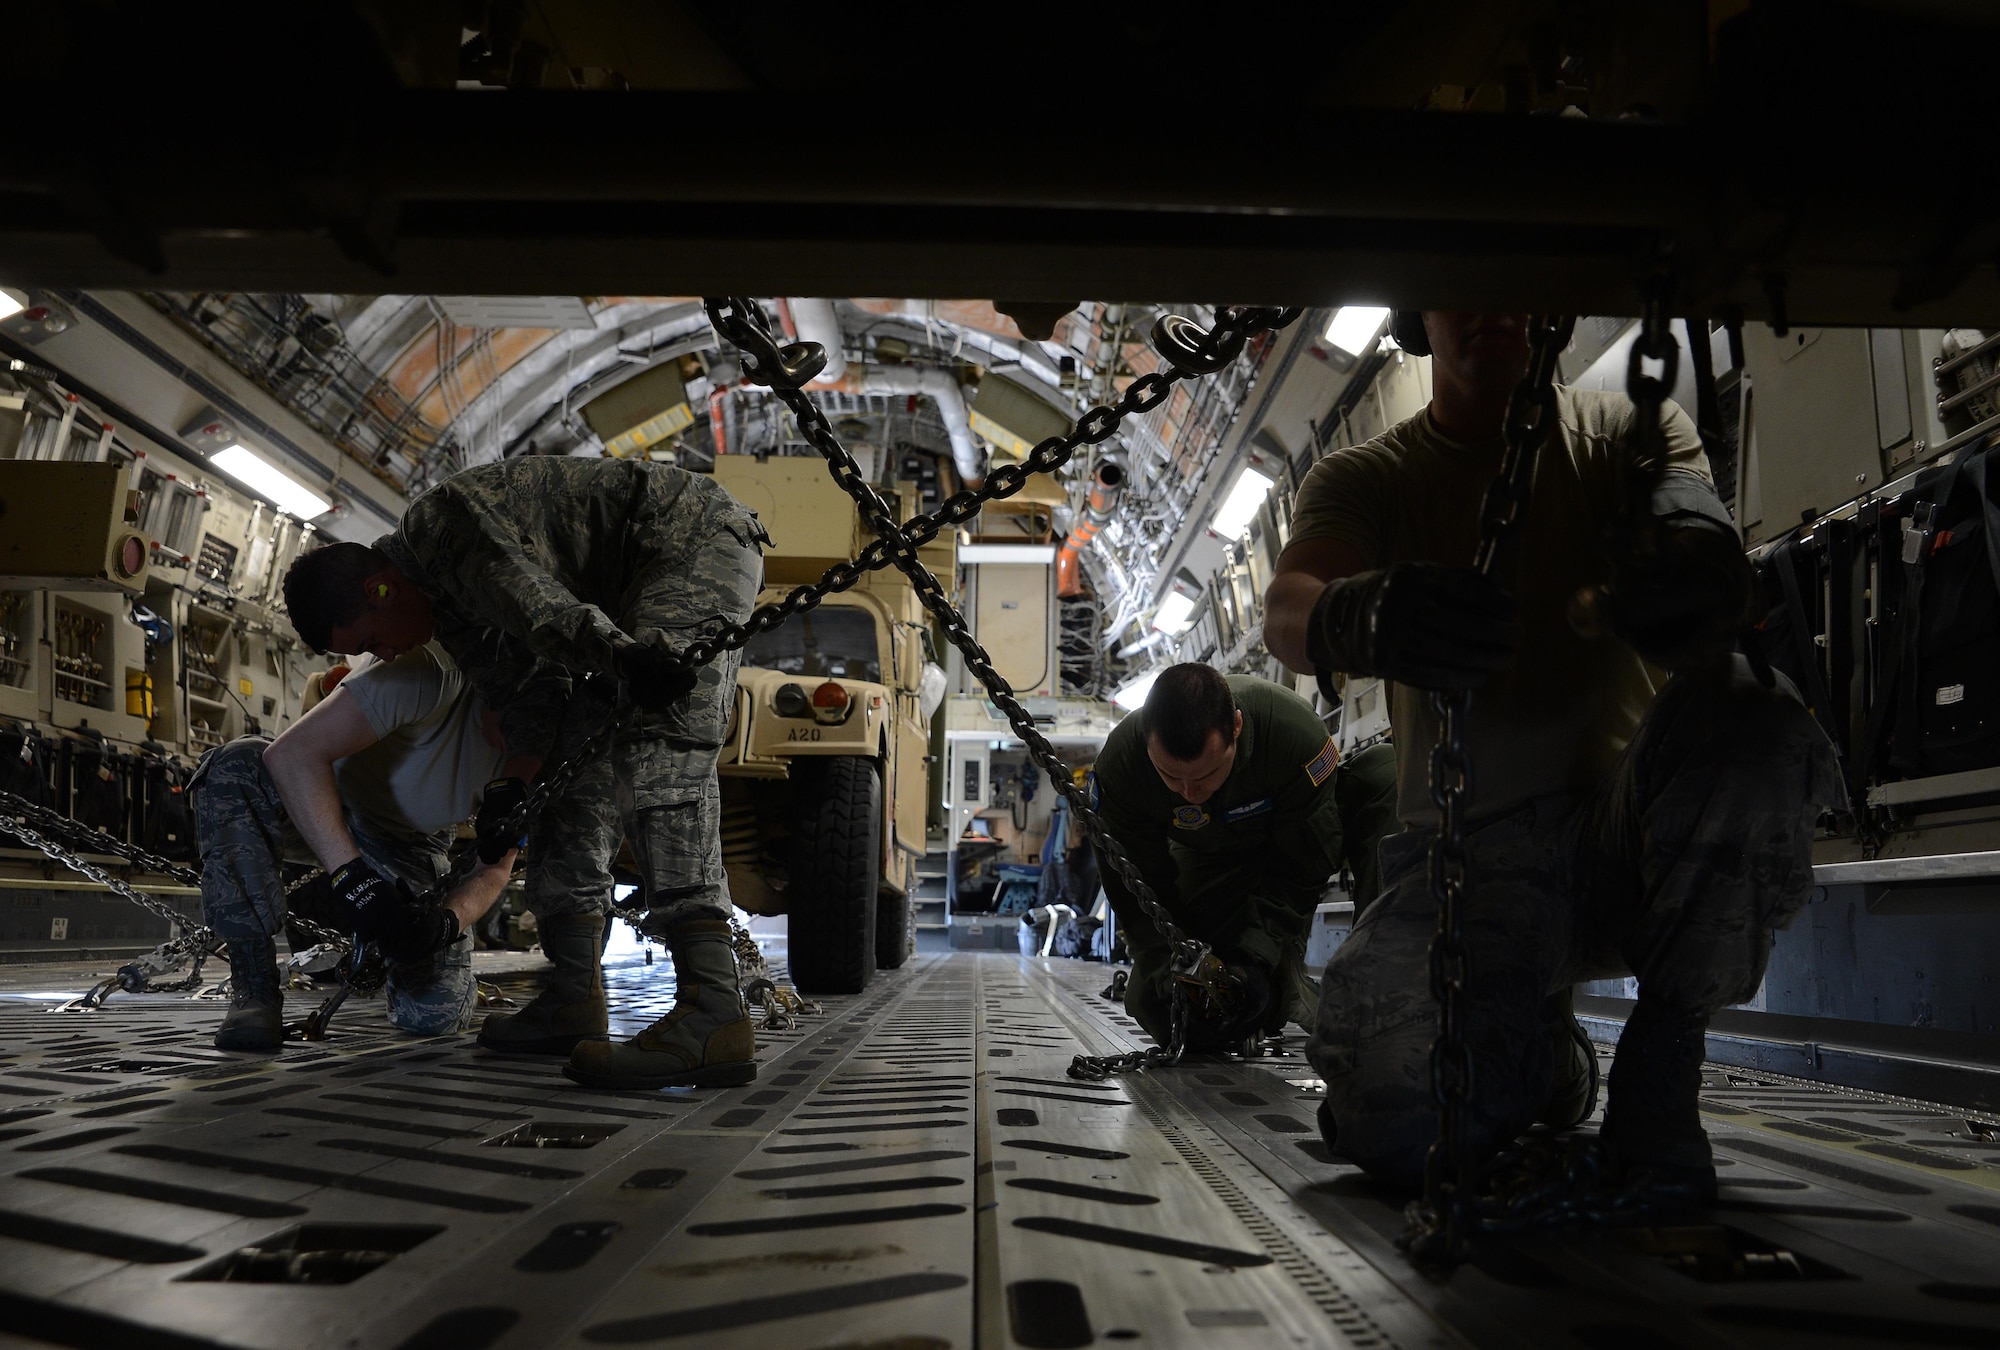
(1320, 767)
(1189, 818)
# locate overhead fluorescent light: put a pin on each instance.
(12, 302)
(1176, 609)
(1041, 554)
(1239, 507)
(1355, 327)
(292, 496)
(517, 311)
(1173, 615)
(1131, 696)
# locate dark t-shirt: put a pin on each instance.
(1558, 719)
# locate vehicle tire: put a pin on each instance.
(894, 938)
(836, 870)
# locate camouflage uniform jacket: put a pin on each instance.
(1275, 816)
(527, 561)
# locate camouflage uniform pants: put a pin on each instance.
(657, 786)
(1676, 869)
(246, 837)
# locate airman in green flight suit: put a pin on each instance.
(1232, 799)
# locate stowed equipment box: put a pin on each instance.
(70, 527)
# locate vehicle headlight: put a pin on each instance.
(791, 701)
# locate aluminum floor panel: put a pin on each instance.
(912, 1170)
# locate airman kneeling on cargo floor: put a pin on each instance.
(371, 779)
(1234, 803)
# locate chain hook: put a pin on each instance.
(741, 320)
(1187, 346)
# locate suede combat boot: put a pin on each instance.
(256, 1016)
(1573, 1092)
(705, 1041)
(570, 1010)
(1652, 1121)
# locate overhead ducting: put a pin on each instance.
(1106, 486)
(941, 388)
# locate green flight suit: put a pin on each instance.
(1244, 870)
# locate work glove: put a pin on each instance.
(502, 823)
(362, 899)
(1255, 998)
(417, 931)
(1680, 595)
(655, 676)
(1420, 624)
(389, 914)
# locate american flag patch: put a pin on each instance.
(1320, 767)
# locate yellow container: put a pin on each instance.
(138, 693)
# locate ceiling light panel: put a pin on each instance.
(292, 496)
(1355, 328)
(517, 311)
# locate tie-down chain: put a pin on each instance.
(1548, 1187)
(64, 840)
(1189, 350)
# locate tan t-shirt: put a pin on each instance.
(426, 772)
(1558, 719)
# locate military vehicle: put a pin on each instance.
(825, 778)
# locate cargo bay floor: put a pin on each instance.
(912, 1170)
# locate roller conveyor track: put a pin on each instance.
(911, 1170)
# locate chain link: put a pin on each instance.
(191, 943)
(28, 826)
(1190, 350)
(1438, 1221)
(1545, 1186)
(742, 321)
(50, 822)
(1654, 342)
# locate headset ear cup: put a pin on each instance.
(1407, 327)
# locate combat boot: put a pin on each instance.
(1652, 1120)
(1573, 1094)
(705, 1041)
(1298, 994)
(256, 1016)
(570, 1009)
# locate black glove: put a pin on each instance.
(1679, 594)
(417, 931)
(1418, 624)
(363, 899)
(656, 676)
(389, 914)
(501, 823)
(1255, 998)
